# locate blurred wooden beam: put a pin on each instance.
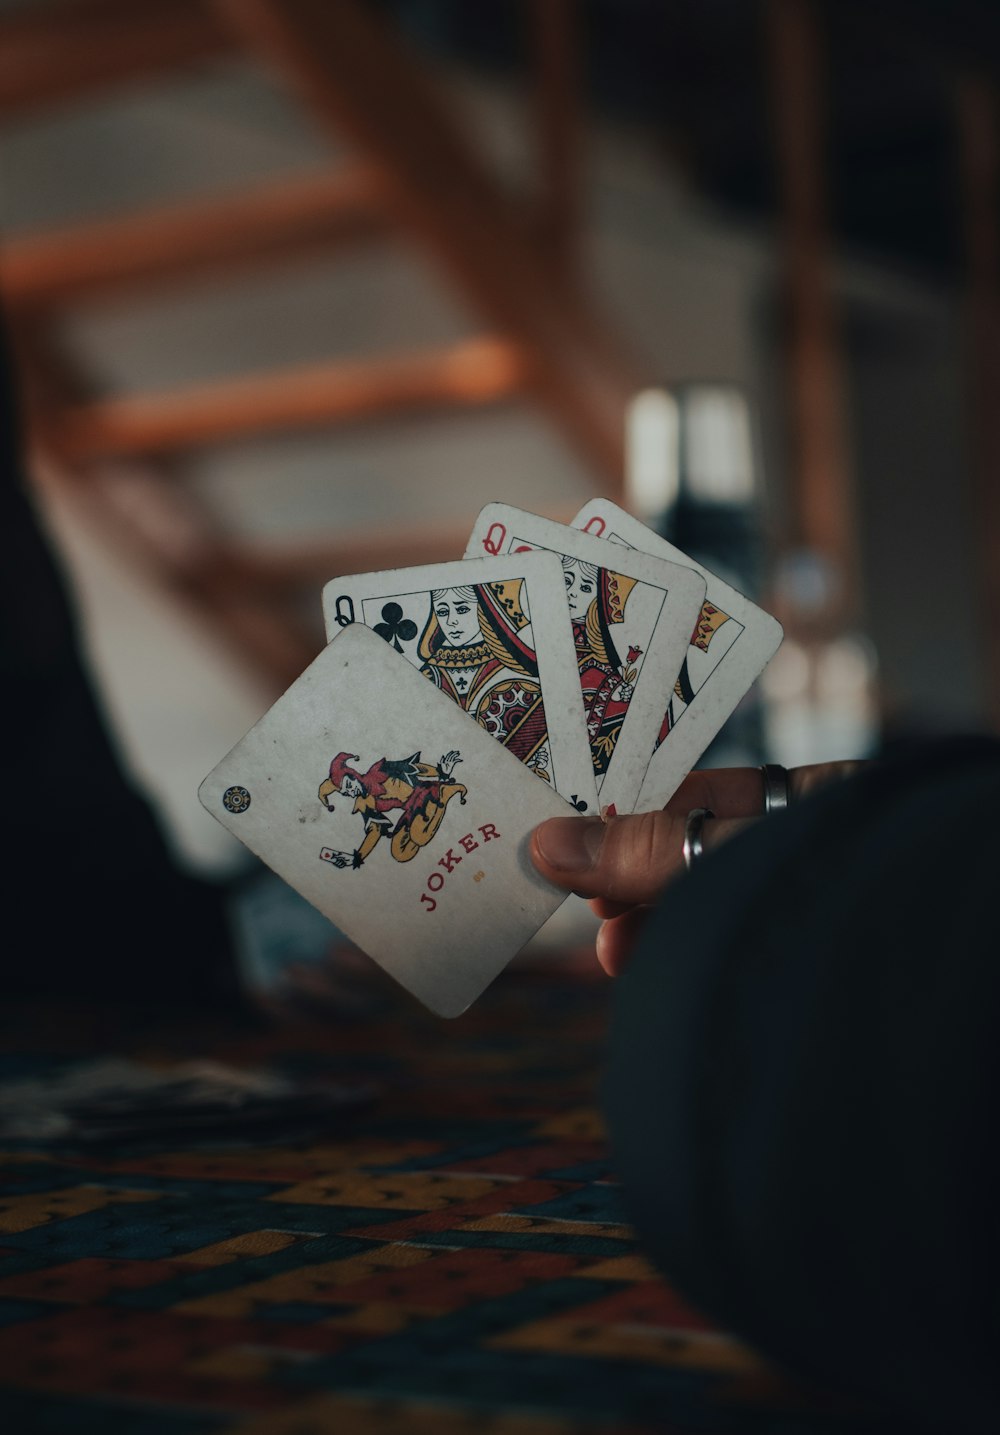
(821, 491)
(554, 40)
(979, 142)
(160, 530)
(345, 62)
(141, 516)
(280, 568)
(275, 222)
(60, 52)
(471, 373)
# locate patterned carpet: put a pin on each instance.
(452, 1259)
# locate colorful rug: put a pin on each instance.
(452, 1259)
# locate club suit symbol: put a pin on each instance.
(394, 626)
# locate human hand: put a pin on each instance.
(623, 864)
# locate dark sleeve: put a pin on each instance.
(803, 1081)
(94, 906)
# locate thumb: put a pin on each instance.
(626, 859)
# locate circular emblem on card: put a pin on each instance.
(236, 799)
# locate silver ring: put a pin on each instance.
(776, 791)
(694, 825)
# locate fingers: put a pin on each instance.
(739, 791)
(616, 939)
(601, 907)
(623, 865)
(726, 791)
(626, 860)
(806, 780)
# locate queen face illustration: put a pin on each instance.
(475, 648)
(581, 586)
(457, 612)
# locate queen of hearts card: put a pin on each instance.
(631, 618)
(597, 598)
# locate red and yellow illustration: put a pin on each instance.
(710, 620)
(474, 648)
(418, 791)
(597, 599)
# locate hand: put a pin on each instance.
(447, 764)
(623, 865)
(623, 693)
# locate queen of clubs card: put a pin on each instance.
(418, 791)
(474, 648)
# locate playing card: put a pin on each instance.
(731, 644)
(494, 635)
(403, 822)
(631, 624)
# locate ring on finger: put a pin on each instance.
(776, 789)
(694, 828)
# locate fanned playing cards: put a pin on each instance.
(554, 671)
(729, 646)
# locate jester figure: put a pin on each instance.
(417, 791)
(597, 598)
(475, 647)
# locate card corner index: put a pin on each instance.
(482, 542)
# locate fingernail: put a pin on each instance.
(570, 843)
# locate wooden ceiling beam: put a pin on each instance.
(61, 52)
(471, 373)
(160, 529)
(822, 514)
(277, 222)
(354, 76)
(279, 568)
(553, 27)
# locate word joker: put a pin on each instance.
(451, 859)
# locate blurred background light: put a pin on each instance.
(718, 451)
(652, 454)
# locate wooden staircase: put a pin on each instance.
(415, 173)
